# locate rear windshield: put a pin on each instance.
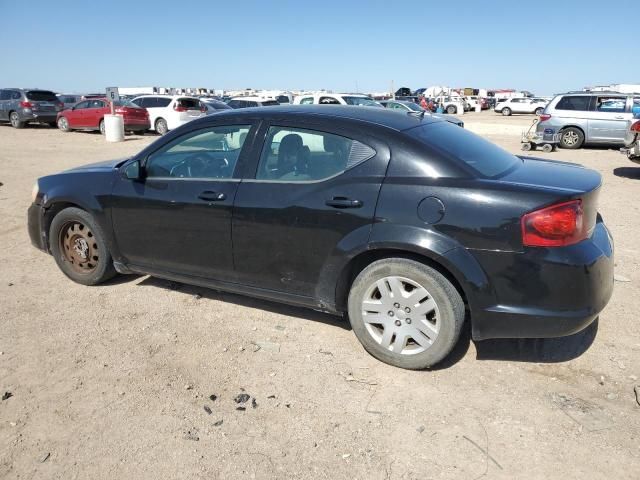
(482, 156)
(189, 103)
(361, 101)
(41, 96)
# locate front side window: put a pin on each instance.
(577, 103)
(306, 101)
(96, 104)
(635, 106)
(328, 101)
(211, 153)
(161, 102)
(300, 155)
(611, 104)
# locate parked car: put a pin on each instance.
(584, 118)
(451, 104)
(404, 222)
(403, 106)
(89, 115)
(23, 106)
(509, 106)
(214, 106)
(355, 99)
(167, 112)
(68, 100)
(248, 102)
(473, 101)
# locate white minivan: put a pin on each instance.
(168, 112)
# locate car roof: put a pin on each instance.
(372, 115)
(254, 99)
(165, 96)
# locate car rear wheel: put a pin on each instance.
(15, 120)
(571, 138)
(63, 124)
(101, 126)
(451, 109)
(78, 246)
(506, 111)
(405, 313)
(161, 126)
(539, 111)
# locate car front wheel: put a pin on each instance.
(63, 124)
(405, 313)
(78, 246)
(506, 111)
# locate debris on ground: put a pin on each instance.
(266, 346)
(192, 435)
(346, 455)
(188, 387)
(420, 429)
(197, 296)
(325, 352)
(10, 284)
(350, 378)
(218, 423)
(213, 397)
(621, 278)
(280, 327)
(45, 457)
(7, 396)
(636, 390)
(242, 398)
(254, 404)
(271, 396)
(208, 410)
(241, 409)
(601, 382)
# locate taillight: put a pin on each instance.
(635, 127)
(544, 117)
(555, 226)
(179, 108)
(203, 108)
(26, 104)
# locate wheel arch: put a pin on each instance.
(51, 212)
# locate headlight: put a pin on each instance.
(34, 192)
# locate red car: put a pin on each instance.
(89, 115)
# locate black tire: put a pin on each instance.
(161, 126)
(506, 111)
(14, 118)
(63, 124)
(526, 147)
(571, 138)
(102, 268)
(451, 109)
(101, 126)
(449, 303)
(547, 148)
(539, 111)
(52, 124)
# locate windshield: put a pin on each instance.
(413, 106)
(361, 101)
(482, 156)
(41, 96)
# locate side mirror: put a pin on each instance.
(133, 171)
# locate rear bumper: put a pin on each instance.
(36, 116)
(35, 225)
(136, 125)
(546, 292)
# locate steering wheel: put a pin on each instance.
(200, 165)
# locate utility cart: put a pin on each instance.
(531, 140)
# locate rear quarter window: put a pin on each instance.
(576, 103)
(459, 145)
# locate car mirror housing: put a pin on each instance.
(133, 171)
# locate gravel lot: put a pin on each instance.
(114, 381)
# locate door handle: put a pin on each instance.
(343, 202)
(619, 118)
(210, 196)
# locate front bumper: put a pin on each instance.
(546, 292)
(35, 225)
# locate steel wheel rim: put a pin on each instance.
(400, 315)
(79, 247)
(570, 138)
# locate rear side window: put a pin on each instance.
(16, 95)
(328, 101)
(306, 101)
(577, 102)
(41, 96)
(161, 102)
(300, 155)
(460, 145)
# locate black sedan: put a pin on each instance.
(402, 222)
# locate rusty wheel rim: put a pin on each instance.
(79, 247)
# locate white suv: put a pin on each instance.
(507, 106)
(169, 112)
(336, 99)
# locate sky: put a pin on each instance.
(543, 46)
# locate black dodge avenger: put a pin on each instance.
(407, 224)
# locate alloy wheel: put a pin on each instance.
(570, 138)
(401, 315)
(15, 120)
(79, 247)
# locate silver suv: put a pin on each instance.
(589, 117)
(20, 107)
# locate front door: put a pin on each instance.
(609, 119)
(76, 116)
(178, 219)
(313, 195)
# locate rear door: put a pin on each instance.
(5, 95)
(312, 193)
(609, 118)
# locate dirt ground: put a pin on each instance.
(114, 382)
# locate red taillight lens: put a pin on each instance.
(635, 127)
(26, 104)
(179, 108)
(203, 108)
(544, 117)
(555, 226)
